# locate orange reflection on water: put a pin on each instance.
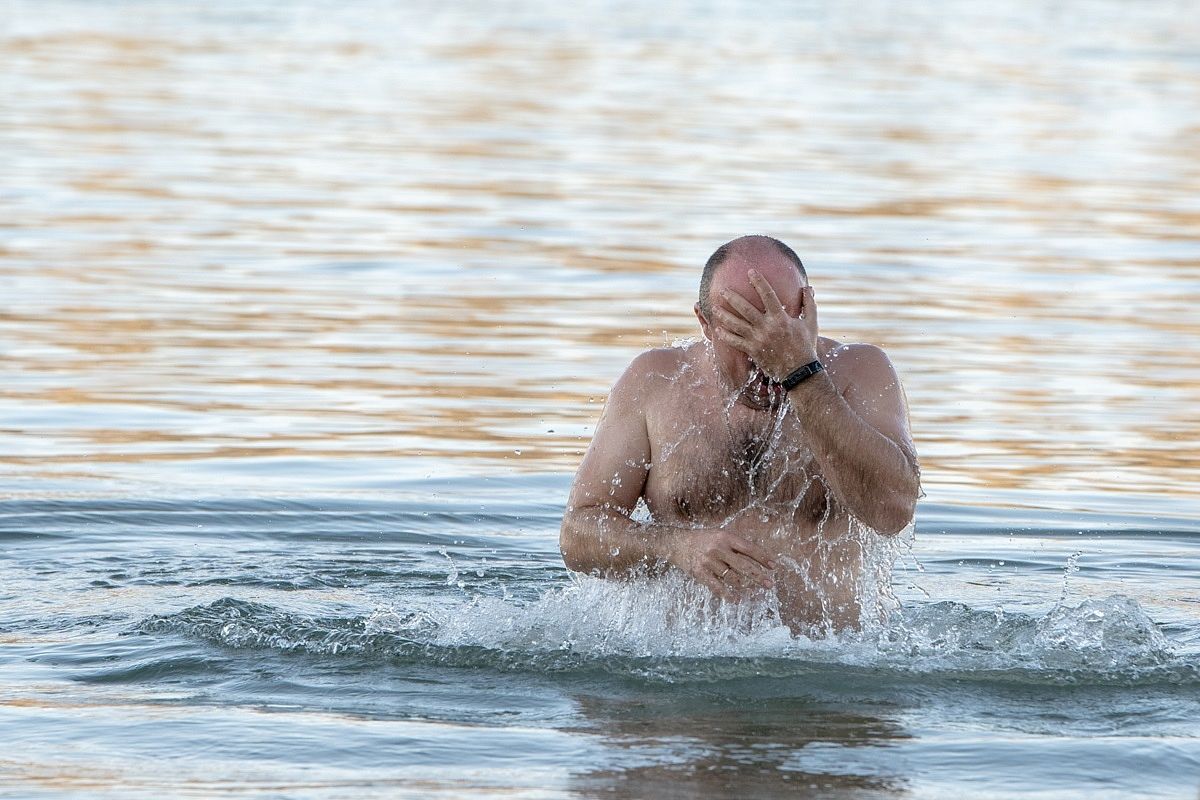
(442, 250)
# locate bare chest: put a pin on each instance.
(710, 466)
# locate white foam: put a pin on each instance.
(672, 617)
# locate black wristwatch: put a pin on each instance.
(802, 374)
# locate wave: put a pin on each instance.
(446, 511)
(654, 631)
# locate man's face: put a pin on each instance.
(738, 374)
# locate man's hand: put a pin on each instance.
(773, 339)
(724, 562)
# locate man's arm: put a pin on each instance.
(597, 532)
(861, 441)
(598, 535)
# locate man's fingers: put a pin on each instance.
(712, 564)
(770, 299)
(717, 586)
(751, 569)
(733, 339)
(728, 577)
(740, 545)
(732, 322)
(729, 566)
(741, 305)
(728, 574)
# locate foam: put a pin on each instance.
(668, 630)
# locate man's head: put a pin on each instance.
(744, 253)
(727, 270)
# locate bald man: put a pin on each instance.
(767, 455)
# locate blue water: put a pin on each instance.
(429, 642)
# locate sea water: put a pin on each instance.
(432, 644)
(311, 309)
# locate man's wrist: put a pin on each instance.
(802, 373)
(813, 393)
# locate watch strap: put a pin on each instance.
(801, 374)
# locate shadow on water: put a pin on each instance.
(707, 744)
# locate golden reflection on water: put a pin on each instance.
(745, 750)
(225, 242)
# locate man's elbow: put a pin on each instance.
(897, 511)
(569, 545)
(894, 514)
(893, 518)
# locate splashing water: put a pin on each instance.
(672, 630)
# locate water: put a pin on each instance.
(311, 309)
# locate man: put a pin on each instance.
(768, 456)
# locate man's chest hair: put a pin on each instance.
(712, 471)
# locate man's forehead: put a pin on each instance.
(734, 275)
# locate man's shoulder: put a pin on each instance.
(657, 370)
(858, 363)
(663, 361)
(858, 354)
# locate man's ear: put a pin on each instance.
(703, 321)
